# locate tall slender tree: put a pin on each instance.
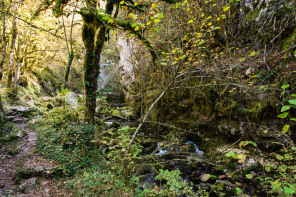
(4, 40)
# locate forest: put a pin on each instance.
(148, 98)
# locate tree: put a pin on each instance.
(97, 23)
(4, 40)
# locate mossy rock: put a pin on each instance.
(26, 173)
(115, 125)
(289, 41)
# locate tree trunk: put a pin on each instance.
(4, 42)
(70, 60)
(88, 34)
(17, 75)
(11, 59)
(93, 42)
(70, 51)
(2, 112)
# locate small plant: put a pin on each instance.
(285, 108)
(280, 173)
(171, 184)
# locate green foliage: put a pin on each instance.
(77, 148)
(98, 181)
(171, 184)
(280, 173)
(287, 107)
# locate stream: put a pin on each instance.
(184, 155)
(169, 150)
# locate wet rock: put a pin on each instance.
(188, 148)
(28, 185)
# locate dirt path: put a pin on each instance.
(25, 173)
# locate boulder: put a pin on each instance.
(28, 185)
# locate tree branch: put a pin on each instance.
(34, 26)
(147, 114)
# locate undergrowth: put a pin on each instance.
(92, 161)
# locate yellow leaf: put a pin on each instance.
(253, 53)
(226, 8)
(110, 20)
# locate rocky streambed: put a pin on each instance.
(202, 166)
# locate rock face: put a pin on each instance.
(127, 48)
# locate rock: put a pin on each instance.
(188, 147)
(22, 111)
(21, 133)
(10, 118)
(58, 102)
(31, 103)
(19, 120)
(28, 185)
(34, 171)
(71, 99)
(115, 125)
(47, 99)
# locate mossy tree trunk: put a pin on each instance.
(11, 59)
(93, 37)
(4, 40)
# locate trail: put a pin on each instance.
(26, 173)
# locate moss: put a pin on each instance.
(253, 15)
(13, 150)
(288, 43)
(115, 125)
(58, 8)
(12, 137)
(255, 111)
